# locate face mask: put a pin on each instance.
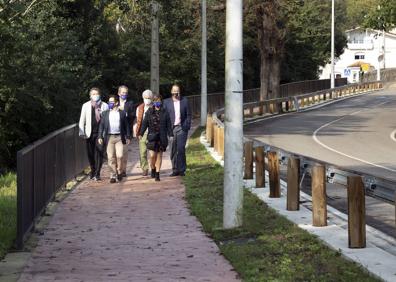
(124, 97)
(95, 98)
(111, 105)
(147, 102)
(157, 104)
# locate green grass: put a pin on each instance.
(267, 247)
(8, 213)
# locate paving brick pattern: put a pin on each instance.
(136, 230)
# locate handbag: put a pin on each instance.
(153, 136)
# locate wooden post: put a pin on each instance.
(218, 139)
(319, 201)
(209, 130)
(356, 213)
(274, 180)
(260, 167)
(293, 184)
(215, 145)
(221, 141)
(248, 152)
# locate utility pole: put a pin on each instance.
(379, 57)
(233, 120)
(154, 72)
(332, 80)
(204, 81)
(383, 47)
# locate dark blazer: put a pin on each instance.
(185, 112)
(130, 110)
(166, 128)
(104, 127)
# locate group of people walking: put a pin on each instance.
(110, 127)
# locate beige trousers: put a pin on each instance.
(156, 160)
(115, 151)
(124, 160)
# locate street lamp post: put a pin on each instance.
(204, 85)
(154, 72)
(233, 120)
(332, 80)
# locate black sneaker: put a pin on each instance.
(113, 180)
(119, 177)
(153, 173)
(91, 175)
(182, 174)
(173, 174)
(123, 174)
(97, 178)
(157, 176)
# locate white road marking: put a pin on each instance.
(315, 138)
(393, 135)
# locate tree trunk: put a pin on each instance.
(264, 77)
(274, 77)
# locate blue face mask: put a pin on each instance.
(124, 97)
(157, 104)
(111, 105)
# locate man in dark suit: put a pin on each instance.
(180, 115)
(114, 133)
(129, 108)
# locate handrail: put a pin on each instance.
(43, 168)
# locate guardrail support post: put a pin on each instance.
(215, 139)
(319, 203)
(209, 130)
(356, 213)
(248, 151)
(221, 142)
(274, 180)
(260, 167)
(293, 184)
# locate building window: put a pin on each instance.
(359, 56)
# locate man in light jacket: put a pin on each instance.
(91, 114)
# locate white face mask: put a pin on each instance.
(147, 102)
(95, 98)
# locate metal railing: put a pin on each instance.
(216, 100)
(358, 183)
(43, 168)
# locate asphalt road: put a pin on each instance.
(356, 133)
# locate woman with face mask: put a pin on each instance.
(141, 111)
(158, 125)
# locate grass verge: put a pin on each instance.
(267, 247)
(8, 212)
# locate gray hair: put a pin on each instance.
(148, 93)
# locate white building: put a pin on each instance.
(365, 51)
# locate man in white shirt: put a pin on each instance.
(114, 133)
(180, 115)
(129, 108)
(91, 115)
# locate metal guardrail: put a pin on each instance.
(216, 100)
(43, 168)
(298, 102)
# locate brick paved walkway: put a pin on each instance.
(137, 230)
